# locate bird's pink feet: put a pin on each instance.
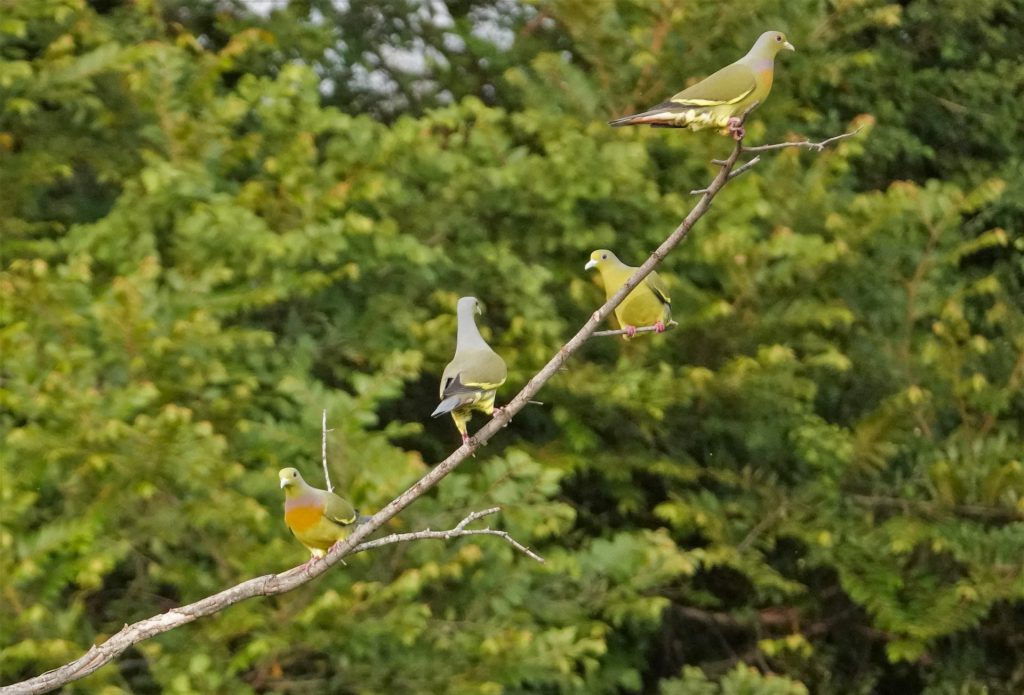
(308, 564)
(465, 439)
(630, 331)
(659, 327)
(736, 129)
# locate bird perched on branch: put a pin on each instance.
(648, 304)
(721, 99)
(318, 518)
(472, 378)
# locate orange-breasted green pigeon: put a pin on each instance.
(472, 378)
(318, 518)
(648, 304)
(719, 100)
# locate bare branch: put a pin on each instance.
(459, 531)
(639, 329)
(323, 448)
(743, 168)
(272, 584)
(806, 144)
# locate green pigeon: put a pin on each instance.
(647, 305)
(317, 518)
(719, 100)
(472, 378)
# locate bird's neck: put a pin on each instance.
(468, 335)
(296, 494)
(615, 270)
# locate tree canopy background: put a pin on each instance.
(220, 217)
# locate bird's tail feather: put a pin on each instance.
(448, 405)
(625, 120)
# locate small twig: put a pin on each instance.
(815, 146)
(807, 144)
(741, 169)
(459, 531)
(639, 329)
(323, 446)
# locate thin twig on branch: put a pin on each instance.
(746, 166)
(459, 531)
(271, 584)
(806, 144)
(323, 451)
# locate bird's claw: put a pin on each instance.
(736, 129)
(630, 331)
(659, 327)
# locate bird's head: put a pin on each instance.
(600, 258)
(470, 306)
(770, 43)
(289, 478)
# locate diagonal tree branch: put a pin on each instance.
(272, 584)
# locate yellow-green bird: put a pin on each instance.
(318, 518)
(472, 378)
(647, 305)
(719, 100)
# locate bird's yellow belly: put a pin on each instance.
(312, 529)
(640, 309)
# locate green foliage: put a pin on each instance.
(814, 484)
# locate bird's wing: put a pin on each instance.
(338, 510)
(657, 286)
(450, 374)
(729, 85)
(472, 371)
